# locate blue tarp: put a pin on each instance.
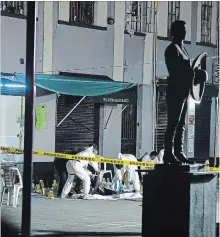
(72, 85)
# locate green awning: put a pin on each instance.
(74, 85)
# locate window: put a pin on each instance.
(206, 22)
(141, 16)
(150, 16)
(173, 14)
(12, 7)
(82, 12)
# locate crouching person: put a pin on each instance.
(131, 170)
(152, 157)
(79, 168)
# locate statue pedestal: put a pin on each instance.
(179, 202)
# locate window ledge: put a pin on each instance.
(14, 15)
(135, 33)
(82, 25)
(170, 39)
(205, 44)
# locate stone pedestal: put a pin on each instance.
(179, 202)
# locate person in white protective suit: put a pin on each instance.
(79, 168)
(154, 158)
(132, 173)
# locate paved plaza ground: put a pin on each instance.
(69, 217)
(79, 217)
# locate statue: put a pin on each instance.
(184, 79)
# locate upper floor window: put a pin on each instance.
(150, 9)
(206, 21)
(15, 7)
(141, 16)
(173, 14)
(82, 12)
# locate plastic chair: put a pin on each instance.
(13, 188)
(105, 173)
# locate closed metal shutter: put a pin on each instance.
(129, 125)
(129, 130)
(81, 128)
(202, 128)
(161, 120)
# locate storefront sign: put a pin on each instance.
(116, 99)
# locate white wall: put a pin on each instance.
(13, 42)
(64, 10)
(48, 37)
(185, 15)
(118, 70)
(162, 19)
(148, 66)
(111, 135)
(10, 110)
(12, 46)
(101, 13)
(145, 120)
(44, 139)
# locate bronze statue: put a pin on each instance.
(183, 77)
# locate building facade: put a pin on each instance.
(124, 41)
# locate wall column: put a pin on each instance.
(119, 26)
(217, 147)
(48, 37)
(64, 10)
(111, 137)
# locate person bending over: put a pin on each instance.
(79, 168)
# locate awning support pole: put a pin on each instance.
(71, 111)
(29, 118)
(117, 116)
(108, 118)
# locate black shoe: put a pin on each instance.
(181, 157)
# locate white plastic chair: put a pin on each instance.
(103, 172)
(13, 188)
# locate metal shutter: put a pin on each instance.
(129, 130)
(202, 128)
(81, 128)
(161, 120)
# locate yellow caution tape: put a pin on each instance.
(213, 169)
(87, 158)
(76, 157)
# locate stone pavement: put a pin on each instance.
(64, 218)
(79, 217)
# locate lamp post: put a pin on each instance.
(29, 118)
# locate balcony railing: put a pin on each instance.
(12, 7)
